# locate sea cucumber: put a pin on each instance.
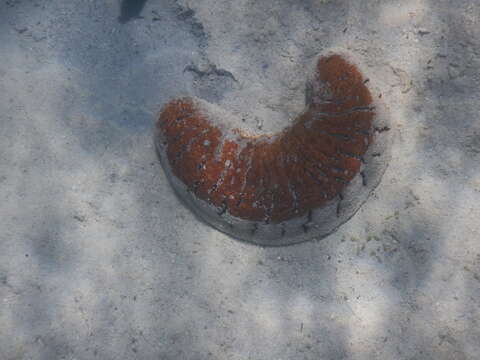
(282, 188)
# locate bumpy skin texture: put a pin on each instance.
(272, 179)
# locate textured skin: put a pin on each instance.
(274, 178)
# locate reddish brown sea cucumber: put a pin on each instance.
(262, 188)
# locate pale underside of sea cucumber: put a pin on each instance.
(283, 188)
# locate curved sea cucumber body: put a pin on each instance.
(282, 188)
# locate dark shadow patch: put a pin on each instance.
(196, 28)
(131, 9)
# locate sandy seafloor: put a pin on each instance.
(100, 260)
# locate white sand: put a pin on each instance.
(99, 259)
